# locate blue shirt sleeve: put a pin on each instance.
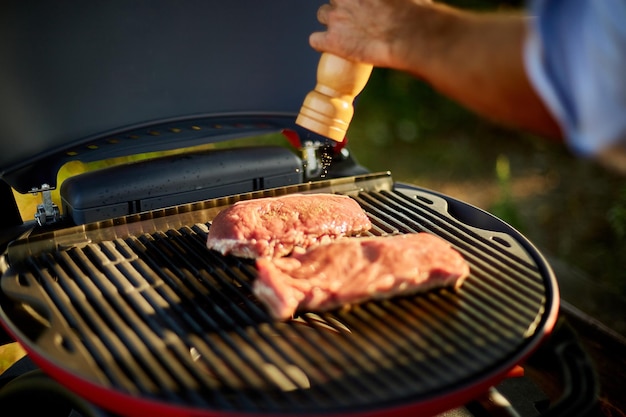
(575, 56)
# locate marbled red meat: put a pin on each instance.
(274, 226)
(350, 271)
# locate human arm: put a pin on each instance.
(473, 58)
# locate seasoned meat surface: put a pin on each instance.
(274, 226)
(350, 271)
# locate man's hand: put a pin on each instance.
(473, 58)
(372, 31)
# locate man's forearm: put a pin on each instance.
(477, 60)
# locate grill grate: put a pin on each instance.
(156, 315)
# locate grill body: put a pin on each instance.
(137, 309)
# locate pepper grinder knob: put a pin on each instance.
(328, 109)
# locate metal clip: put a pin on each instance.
(47, 211)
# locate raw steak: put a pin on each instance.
(274, 226)
(349, 271)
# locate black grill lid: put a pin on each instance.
(76, 74)
(140, 308)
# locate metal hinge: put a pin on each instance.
(47, 211)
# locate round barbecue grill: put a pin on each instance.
(135, 315)
(141, 318)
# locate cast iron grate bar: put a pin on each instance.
(158, 315)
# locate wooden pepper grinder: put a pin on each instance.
(328, 109)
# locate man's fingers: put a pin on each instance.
(322, 13)
(316, 40)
